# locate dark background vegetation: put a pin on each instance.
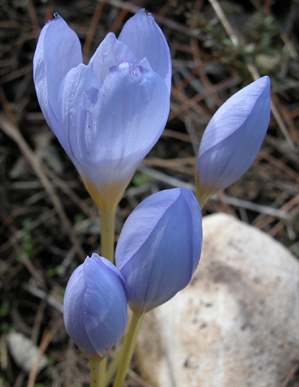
(49, 223)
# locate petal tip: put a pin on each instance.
(264, 83)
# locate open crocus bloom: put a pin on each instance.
(95, 306)
(232, 139)
(159, 247)
(109, 114)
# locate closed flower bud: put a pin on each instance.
(159, 247)
(232, 139)
(95, 306)
(109, 114)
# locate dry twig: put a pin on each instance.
(13, 132)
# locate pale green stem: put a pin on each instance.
(96, 377)
(107, 218)
(103, 367)
(113, 366)
(107, 233)
(128, 348)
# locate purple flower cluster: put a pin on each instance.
(107, 115)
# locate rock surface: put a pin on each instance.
(236, 324)
(24, 352)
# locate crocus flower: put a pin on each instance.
(109, 114)
(95, 306)
(232, 139)
(159, 247)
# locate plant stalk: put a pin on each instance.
(128, 348)
(111, 370)
(96, 379)
(107, 218)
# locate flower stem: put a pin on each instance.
(107, 233)
(103, 367)
(128, 348)
(107, 218)
(96, 379)
(111, 370)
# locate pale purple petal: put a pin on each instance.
(116, 271)
(73, 311)
(147, 214)
(145, 39)
(58, 51)
(110, 52)
(105, 306)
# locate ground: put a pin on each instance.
(49, 223)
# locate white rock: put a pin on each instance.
(24, 352)
(236, 324)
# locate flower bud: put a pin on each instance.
(159, 247)
(232, 139)
(95, 306)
